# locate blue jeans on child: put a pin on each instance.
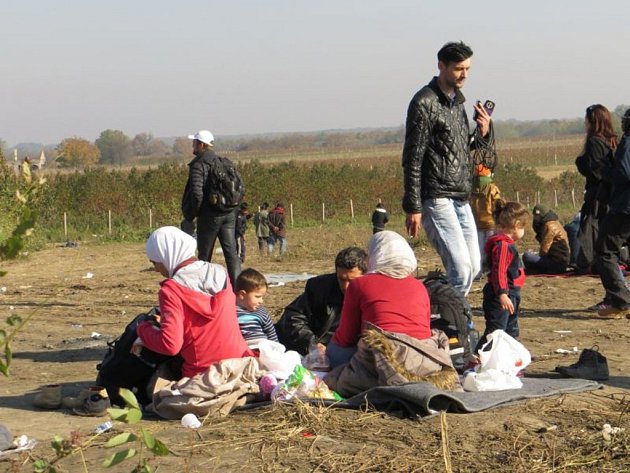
(497, 317)
(450, 227)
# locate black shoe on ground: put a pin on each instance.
(591, 365)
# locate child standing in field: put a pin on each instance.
(253, 319)
(502, 292)
(485, 194)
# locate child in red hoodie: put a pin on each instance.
(502, 292)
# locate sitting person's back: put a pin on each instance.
(384, 336)
(253, 319)
(197, 306)
(554, 254)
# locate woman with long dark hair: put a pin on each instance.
(599, 146)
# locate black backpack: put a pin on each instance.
(122, 369)
(451, 313)
(224, 187)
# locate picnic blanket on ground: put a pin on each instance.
(424, 399)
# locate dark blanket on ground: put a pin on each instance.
(423, 399)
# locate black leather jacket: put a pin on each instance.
(313, 316)
(436, 157)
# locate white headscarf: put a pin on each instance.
(171, 247)
(390, 254)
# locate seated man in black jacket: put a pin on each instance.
(313, 317)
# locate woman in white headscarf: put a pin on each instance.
(384, 336)
(388, 297)
(197, 305)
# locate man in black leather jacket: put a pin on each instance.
(438, 166)
(211, 223)
(313, 317)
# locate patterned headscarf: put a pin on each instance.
(171, 247)
(390, 254)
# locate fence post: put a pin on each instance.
(573, 196)
(109, 221)
(150, 219)
(65, 225)
(352, 210)
(291, 209)
(518, 198)
(323, 212)
(555, 198)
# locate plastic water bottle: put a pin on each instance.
(104, 427)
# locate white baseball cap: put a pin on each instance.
(204, 136)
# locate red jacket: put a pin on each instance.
(506, 270)
(203, 329)
(394, 305)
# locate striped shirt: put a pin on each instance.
(256, 326)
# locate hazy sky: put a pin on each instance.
(78, 67)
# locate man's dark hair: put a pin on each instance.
(454, 52)
(352, 257)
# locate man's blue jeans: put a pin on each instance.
(450, 227)
(221, 226)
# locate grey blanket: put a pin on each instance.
(423, 399)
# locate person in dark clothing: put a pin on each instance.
(211, 223)
(277, 228)
(572, 228)
(379, 218)
(502, 292)
(554, 254)
(615, 228)
(241, 229)
(598, 150)
(312, 318)
(437, 166)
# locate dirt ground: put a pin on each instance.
(77, 293)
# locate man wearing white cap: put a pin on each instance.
(212, 222)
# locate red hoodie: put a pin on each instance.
(203, 329)
(504, 263)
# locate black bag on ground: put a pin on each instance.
(451, 313)
(224, 187)
(122, 369)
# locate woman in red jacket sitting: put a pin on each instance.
(197, 306)
(388, 296)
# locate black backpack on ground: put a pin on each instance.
(122, 369)
(224, 187)
(451, 313)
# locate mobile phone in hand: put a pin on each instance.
(488, 105)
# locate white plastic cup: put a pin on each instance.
(190, 421)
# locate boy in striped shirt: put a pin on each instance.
(253, 319)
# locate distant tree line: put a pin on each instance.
(114, 147)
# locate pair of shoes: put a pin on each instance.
(611, 312)
(95, 405)
(591, 365)
(76, 402)
(599, 305)
(48, 397)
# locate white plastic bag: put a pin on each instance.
(491, 380)
(501, 357)
(274, 358)
(503, 353)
